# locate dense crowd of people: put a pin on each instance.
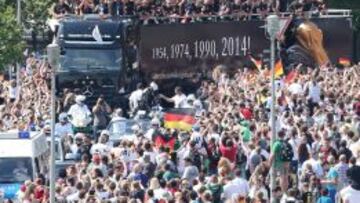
(26, 105)
(225, 157)
(185, 10)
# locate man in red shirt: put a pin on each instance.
(229, 150)
(245, 112)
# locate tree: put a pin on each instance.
(11, 43)
(35, 15)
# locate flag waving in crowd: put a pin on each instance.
(344, 61)
(257, 63)
(179, 118)
(278, 69)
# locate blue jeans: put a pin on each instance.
(332, 194)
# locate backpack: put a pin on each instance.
(287, 153)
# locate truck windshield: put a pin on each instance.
(83, 59)
(16, 169)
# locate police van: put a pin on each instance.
(23, 155)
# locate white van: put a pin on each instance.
(23, 155)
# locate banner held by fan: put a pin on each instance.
(179, 118)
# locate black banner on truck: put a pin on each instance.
(182, 50)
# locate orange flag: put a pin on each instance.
(279, 70)
(344, 61)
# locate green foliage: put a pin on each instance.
(35, 14)
(344, 4)
(11, 44)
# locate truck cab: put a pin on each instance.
(93, 55)
(23, 155)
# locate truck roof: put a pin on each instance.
(22, 144)
(78, 32)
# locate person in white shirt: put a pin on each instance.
(314, 91)
(102, 147)
(135, 97)
(296, 88)
(63, 128)
(316, 166)
(179, 99)
(13, 91)
(236, 187)
(162, 192)
(351, 194)
(196, 136)
(80, 115)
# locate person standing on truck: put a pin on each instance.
(87, 7)
(116, 8)
(149, 98)
(102, 8)
(179, 99)
(79, 113)
(135, 98)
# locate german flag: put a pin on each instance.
(278, 69)
(179, 118)
(257, 63)
(344, 61)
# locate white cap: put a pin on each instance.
(80, 98)
(135, 128)
(154, 86)
(105, 132)
(63, 116)
(79, 135)
(191, 97)
(155, 121)
(197, 103)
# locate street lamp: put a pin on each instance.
(273, 27)
(53, 54)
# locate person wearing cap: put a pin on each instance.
(79, 113)
(63, 127)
